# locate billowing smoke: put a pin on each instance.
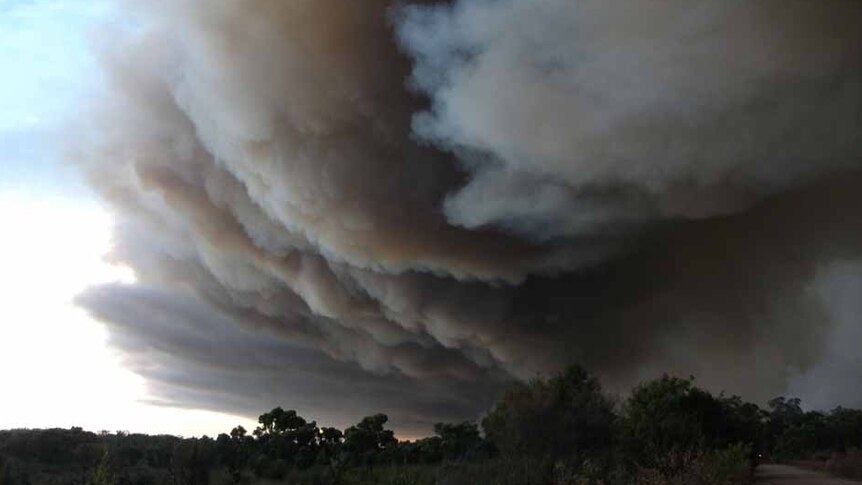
(348, 207)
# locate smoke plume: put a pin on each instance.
(350, 207)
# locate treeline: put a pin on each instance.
(564, 430)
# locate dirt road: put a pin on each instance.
(786, 475)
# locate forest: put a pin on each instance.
(564, 430)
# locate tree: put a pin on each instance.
(278, 421)
(426, 450)
(459, 441)
(192, 460)
(286, 436)
(330, 442)
(844, 429)
(234, 451)
(669, 419)
(567, 417)
(368, 439)
(784, 434)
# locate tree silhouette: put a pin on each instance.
(565, 416)
(366, 440)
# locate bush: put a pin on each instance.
(712, 467)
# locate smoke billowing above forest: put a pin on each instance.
(348, 207)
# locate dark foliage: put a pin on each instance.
(561, 430)
(565, 416)
(790, 433)
(670, 417)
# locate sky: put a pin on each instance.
(56, 366)
(347, 208)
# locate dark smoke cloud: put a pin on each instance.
(351, 207)
(196, 357)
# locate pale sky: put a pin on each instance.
(56, 367)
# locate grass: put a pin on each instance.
(847, 465)
(719, 467)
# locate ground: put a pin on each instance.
(787, 475)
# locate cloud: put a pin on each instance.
(832, 380)
(347, 207)
(590, 114)
(195, 357)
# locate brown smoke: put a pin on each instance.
(349, 206)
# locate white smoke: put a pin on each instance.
(591, 113)
(494, 191)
